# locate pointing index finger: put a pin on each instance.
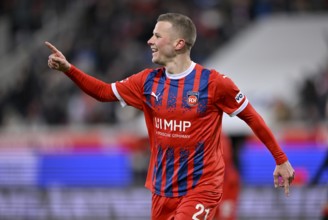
(52, 47)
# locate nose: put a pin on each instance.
(150, 41)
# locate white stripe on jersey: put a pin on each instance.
(123, 104)
(240, 109)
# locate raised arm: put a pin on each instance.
(96, 88)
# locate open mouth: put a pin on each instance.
(154, 50)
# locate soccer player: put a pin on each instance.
(183, 103)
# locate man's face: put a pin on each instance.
(163, 43)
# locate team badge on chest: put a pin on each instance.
(192, 98)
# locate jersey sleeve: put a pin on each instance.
(130, 90)
(263, 132)
(229, 98)
(97, 89)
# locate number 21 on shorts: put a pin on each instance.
(201, 209)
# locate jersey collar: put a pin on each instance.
(183, 74)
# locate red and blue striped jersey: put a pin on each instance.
(183, 114)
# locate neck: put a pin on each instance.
(178, 65)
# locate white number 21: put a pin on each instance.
(201, 210)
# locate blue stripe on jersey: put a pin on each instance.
(149, 84)
(169, 172)
(188, 86)
(198, 163)
(160, 89)
(159, 171)
(183, 172)
(203, 91)
(173, 93)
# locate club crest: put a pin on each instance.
(192, 98)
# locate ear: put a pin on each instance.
(180, 44)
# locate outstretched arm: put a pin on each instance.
(284, 173)
(96, 88)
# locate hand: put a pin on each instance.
(57, 60)
(283, 176)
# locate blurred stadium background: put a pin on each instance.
(64, 155)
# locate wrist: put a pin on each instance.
(281, 160)
(68, 69)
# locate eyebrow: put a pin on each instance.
(156, 34)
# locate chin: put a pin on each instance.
(157, 62)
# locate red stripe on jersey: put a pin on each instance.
(165, 93)
(154, 88)
(180, 93)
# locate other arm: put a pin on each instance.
(283, 168)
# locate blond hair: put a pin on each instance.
(184, 26)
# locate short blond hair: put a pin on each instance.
(184, 26)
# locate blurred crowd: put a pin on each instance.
(109, 43)
(314, 96)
